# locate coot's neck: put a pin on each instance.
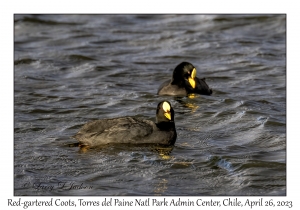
(177, 82)
(166, 126)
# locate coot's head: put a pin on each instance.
(164, 112)
(184, 75)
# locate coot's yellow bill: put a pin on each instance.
(191, 79)
(167, 109)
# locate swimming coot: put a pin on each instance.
(131, 130)
(184, 82)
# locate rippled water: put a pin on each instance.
(70, 69)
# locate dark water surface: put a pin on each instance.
(70, 69)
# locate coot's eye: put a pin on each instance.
(187, 75)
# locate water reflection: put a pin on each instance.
(164, 152)
(161, 186)
(190, 104)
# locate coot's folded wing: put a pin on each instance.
(116, 130)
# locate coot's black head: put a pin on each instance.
(184, 75)
(164, 112)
